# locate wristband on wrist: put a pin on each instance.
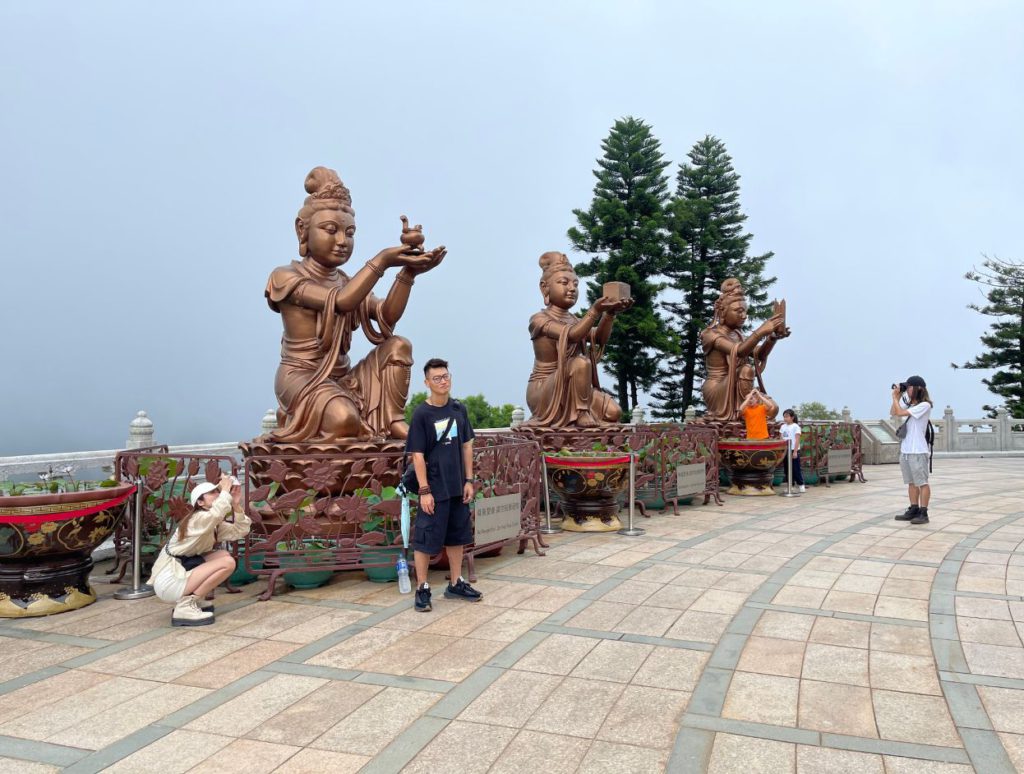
(425, 490)
(469, 480)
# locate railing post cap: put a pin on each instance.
(141, 420)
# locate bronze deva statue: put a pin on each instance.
(322, 396)
(733, 360)
(563, 390)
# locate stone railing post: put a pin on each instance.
(518, 416)
(269, 423)
(140, 432)
(1003, 428)
(689, 415)
(639, 415)
(950, 429)
(847, 417)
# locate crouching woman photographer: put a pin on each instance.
(916, 406)
(188, 567)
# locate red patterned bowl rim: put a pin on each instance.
(63, 506)
(587, 462)
(746, 444)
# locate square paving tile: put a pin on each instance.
(786, 626)
(908, 717)
(772, 656)
(558, 654)
(576, 708)
(463, 747)
(609, 758)
(838, 631)
(835, 664)
(836, 708)
(744, 754)
(762, 699)
(613, 661)
(818, 760)
(645, 716)
(511, 699)
(537, 751)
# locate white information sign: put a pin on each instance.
(497, 518)
(839, 461)
(691, 478)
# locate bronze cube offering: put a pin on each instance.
(616, 290)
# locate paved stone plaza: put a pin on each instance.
(812, 634)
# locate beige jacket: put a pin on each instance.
(205, 529)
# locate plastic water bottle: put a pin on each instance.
(404, 586)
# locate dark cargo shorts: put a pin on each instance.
(448, 526)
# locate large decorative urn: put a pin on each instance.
(751, 464)
(588, 490)
(46, 545)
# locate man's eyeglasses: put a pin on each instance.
(441, 379)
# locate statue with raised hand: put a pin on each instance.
(322, 395)
(734, 360)
(563, 390)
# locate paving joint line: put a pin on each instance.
(983, 746)
(708, 698)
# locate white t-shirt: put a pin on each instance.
(915, 442)
(790, 432)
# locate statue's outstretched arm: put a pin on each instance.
(577, 332)
(412, 263)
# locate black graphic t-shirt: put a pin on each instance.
(444, 467)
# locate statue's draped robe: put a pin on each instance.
(721, 388)
(568, 398)
(316, 370)
(729, 377)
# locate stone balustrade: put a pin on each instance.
(954, 435)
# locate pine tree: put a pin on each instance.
(1005, 339)
(623, 230)
(707, 245)
(668, 403)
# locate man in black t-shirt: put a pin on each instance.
(441, 445)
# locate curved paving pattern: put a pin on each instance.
(770, 635)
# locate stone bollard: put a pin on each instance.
(140, 432)
(949, 429)
(518, 416)
(847, 416)
(269, 423)
(1003, 439)
(639, 415)
(689, 415)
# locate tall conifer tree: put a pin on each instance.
(707, 245)
(1005, 340)
(623, 230)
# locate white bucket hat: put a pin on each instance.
(200, 490)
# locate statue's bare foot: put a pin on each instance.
(398, 429)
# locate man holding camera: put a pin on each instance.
(910, 399)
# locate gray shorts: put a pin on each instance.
(914, 468)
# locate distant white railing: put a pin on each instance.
(141, 434)
(1002, 433)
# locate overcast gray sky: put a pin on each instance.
(153, 156)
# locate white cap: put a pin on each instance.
(200, 490)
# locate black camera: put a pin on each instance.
(901, 385)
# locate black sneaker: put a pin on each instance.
(921, 517)
(423, 600)
(908, 514)
(462, 590)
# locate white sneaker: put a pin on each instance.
(803, 488)
(187, 613)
